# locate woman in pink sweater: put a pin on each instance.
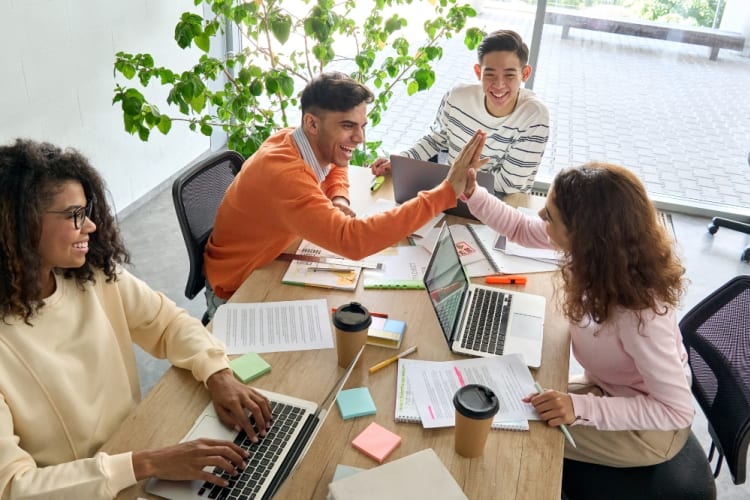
(620, 286)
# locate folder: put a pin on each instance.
(419, 475)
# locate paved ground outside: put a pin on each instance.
(662, 109)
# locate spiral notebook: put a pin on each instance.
(303, 273)
(402, 268)
(499, 261)
(406, 407)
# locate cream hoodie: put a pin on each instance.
(69, 380)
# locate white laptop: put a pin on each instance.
(411, 176)
(295, 424)
(480, 320)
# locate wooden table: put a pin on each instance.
(514, 464)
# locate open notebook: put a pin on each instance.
(406, 406)
(323, 275)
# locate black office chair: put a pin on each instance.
(196, 195)
(687, 476)
(743, 227)
(716, 333)
(719, 385)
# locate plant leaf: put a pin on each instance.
(164, 125)
(203, 42)
(281, 25)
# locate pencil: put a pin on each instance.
(388, 361)
(563, 427)
(372, 313)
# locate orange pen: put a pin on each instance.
(510, 279)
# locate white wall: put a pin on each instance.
(56, 84)
(736, 17)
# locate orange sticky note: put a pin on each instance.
(376, 442)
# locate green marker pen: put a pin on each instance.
(376, 183)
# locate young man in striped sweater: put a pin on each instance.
(515, 120)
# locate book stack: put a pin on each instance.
(385, 332)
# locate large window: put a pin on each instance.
(663, 108)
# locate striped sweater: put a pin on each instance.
(515, 143)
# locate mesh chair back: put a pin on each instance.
(196, 195)
(716, 333)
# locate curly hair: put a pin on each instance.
(619, 253)
(31, 174)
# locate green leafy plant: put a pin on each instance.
(285, 44)
(693, 12)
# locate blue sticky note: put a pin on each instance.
(355, 403)
(394, 326)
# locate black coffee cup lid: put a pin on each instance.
(476, 401)
(352, 317)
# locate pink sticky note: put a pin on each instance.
(376, 442)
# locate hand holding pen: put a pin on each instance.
(554, 407)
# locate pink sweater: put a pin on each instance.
(643, 370)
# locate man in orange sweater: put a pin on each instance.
(296, 185)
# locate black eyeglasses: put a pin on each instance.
(77, 214)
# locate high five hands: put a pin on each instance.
(463, 173)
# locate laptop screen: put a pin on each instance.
(446, 282)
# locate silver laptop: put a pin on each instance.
(295, 423)
(412, 176)
(481, 320)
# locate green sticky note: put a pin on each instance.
(355, 403)
(249, 366)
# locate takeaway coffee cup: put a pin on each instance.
(476, 405)
(351, 322)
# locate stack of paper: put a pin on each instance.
(500, 261)
(402, 268)
(548, 255)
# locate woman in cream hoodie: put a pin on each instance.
(69, 315)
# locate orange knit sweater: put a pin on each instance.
(276, 198)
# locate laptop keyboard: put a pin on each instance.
(447, 309)
(488, 322)
(263, 456)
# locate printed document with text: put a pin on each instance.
(293, 325)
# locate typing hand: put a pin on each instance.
(343, 204)
(381, 166)
(185, 461)
(467, 159)
(233, 399)
(554, 407)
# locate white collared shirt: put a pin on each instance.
(308, 155)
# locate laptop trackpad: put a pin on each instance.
(527, 327)
(210, 426)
